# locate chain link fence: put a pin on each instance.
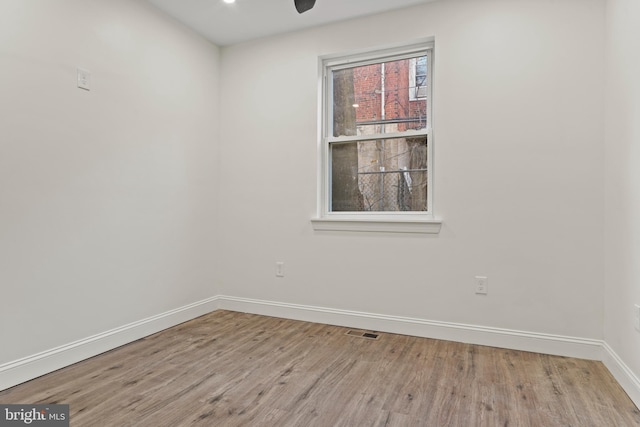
(397, 190)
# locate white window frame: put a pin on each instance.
(401, 222)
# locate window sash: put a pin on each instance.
(369, 137)
(386, 195)
(327, 125)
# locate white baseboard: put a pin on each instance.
(505, 338)
(31, 367)
(621, 372)
(28, 368)
(495, 337)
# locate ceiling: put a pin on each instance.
(227, 24)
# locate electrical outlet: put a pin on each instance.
(482, 285)
(279, 269)
(636, 317)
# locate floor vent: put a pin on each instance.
(363, 334)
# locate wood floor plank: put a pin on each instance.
(236, 369)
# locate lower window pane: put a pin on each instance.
(388, 175)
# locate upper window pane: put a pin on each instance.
(380, 98)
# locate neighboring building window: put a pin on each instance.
(418, 78)
(376, 142)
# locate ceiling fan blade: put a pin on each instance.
(304, 5)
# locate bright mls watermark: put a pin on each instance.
(34, 415)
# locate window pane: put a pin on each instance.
(380, 98)
(384, 175)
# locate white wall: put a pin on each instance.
(519, 125)
(107, 197)
(622, 181)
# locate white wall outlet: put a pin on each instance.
(482, 285)
(84, 79)
(636, 317)
(279, 269)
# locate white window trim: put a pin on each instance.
(395, 222)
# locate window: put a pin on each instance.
(376, 144)
(418, 78)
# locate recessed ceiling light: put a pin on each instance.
(229, 1)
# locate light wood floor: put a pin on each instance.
(234, 369)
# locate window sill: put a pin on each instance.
(386, 225)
